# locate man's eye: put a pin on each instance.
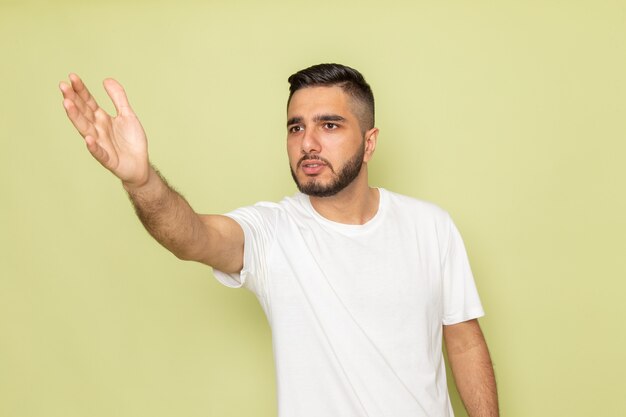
(330, 126)
(295, 129)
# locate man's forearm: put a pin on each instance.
(471, 366)
(167, 216)
(476, 382)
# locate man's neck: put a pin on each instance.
(355, 204)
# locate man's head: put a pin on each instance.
(331, 131)
(351, 82)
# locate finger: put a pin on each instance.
(70, 94)
(80, 89)
(80, 122)
(118, 96)
(96, 150)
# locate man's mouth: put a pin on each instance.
(312, 167)
(312, 161)
(313, 164)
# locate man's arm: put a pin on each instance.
(214, 240)
(119, 143)
(472, 369)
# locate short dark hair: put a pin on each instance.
(350, 80)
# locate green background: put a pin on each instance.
(510, 115)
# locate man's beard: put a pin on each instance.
(346, 175)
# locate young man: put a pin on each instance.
(359, 284)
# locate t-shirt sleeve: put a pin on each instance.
(460, 296)
(257, 223)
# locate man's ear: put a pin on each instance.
(371, 137)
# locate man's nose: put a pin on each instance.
(311, 142)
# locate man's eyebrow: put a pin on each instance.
(294, 120)
(317, 119)
(329, 118)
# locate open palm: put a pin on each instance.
(118, 143)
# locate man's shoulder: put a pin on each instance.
(269, 208)
(414, 205)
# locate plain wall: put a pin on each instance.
(510, 115)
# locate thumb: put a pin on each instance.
(118, 96)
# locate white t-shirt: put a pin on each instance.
(356, 311)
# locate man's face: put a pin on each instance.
(325, 144)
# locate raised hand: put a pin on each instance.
(118, 143)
